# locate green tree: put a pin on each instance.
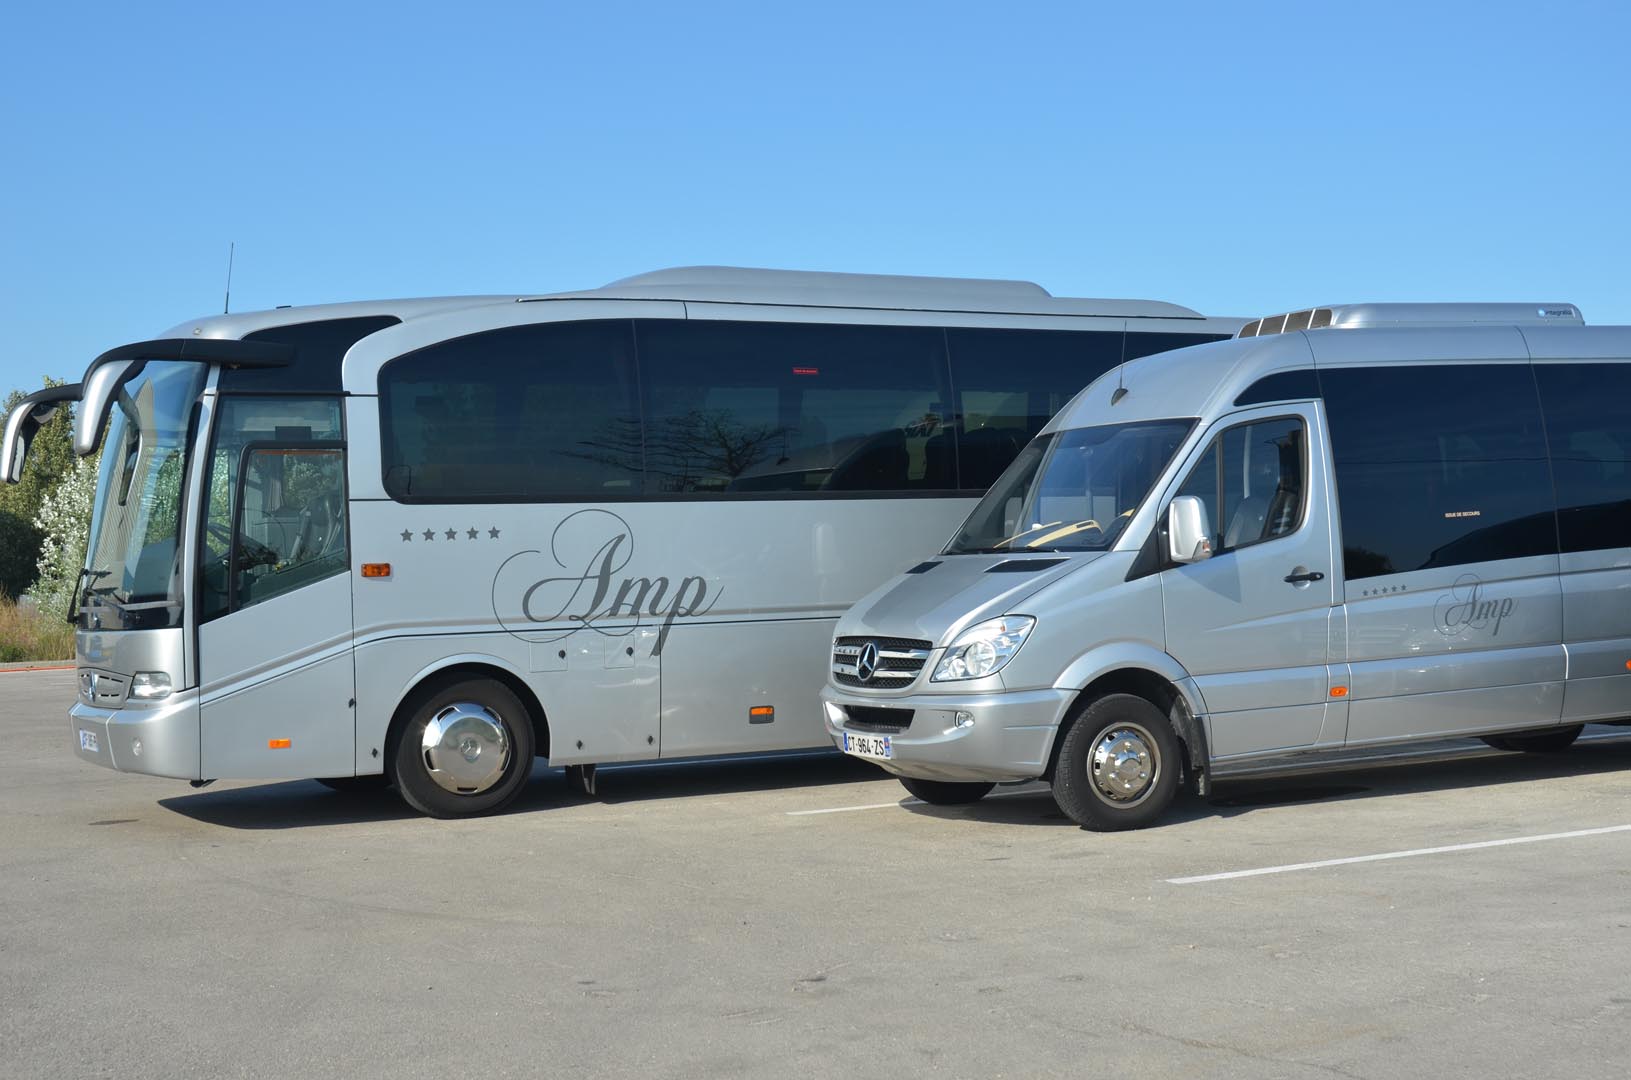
(50, 458)
(65, 523)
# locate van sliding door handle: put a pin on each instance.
(1298, 579)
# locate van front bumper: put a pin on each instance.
(159, 739)
(1010, 736)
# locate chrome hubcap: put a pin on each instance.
(1125, 764)
(466, 748)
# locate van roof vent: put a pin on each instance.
(1358, 316)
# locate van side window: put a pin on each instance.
(1588, 427)
(1252, 480)
(1438, 465)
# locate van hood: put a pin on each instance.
(948, 593)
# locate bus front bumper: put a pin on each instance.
(989, 737)
(159, 739)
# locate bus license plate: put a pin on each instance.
(872, 746)
(87, 740)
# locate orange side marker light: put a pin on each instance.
(762, 714)
(279, 744)
(1339, 691)
(376, 569)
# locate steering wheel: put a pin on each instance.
(251, 553)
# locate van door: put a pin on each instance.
(1251, 624)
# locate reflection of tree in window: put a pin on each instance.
(699, 450)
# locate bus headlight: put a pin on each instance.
(983, 649)
(149, 685)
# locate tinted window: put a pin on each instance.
(546, 411)
(1010, 383)
(1146, 344)
(736, 408)
(1588, 427)
(1251, 481)
(1438, 466)
(319, 348)
(1295, 385)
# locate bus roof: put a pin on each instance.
(812, 288)
(730, 284)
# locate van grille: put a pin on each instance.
(900, 660)
(874, 718)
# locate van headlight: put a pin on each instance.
(983, 648)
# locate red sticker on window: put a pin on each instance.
(806, 371)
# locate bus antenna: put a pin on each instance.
(232, 247)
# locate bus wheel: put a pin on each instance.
(356, 785)
(1118, 766)
(1544, 742)
(466, 750)
(946, 793)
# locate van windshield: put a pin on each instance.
(1072, 490)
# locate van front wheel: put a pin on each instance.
(1118, 766)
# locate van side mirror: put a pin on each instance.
(1189, 533)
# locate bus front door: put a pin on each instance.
(275, 664)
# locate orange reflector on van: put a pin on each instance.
(762, 714)
(279, 744)
(1339, 691)
(376, 569)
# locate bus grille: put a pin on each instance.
(899, 661)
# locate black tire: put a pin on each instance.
(412, 774)
(1543, 742)
(356, 785)
(946, 792)
(1086, 800)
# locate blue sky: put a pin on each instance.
(1239, 158)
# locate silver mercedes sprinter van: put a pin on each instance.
(1348, 526)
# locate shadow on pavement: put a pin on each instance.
(304, 804)
(1233, 798)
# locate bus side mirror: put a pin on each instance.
(1189, 534)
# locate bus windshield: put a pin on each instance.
(1072, 490)
(132, 575)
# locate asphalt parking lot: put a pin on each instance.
(794, 918)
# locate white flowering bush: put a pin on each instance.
(65, 521)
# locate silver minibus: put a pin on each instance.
(424, 542)
(1347, 527)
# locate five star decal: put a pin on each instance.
(429, 535)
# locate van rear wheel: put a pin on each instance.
(946, 792)
(1118, 765)
(1544, 742)
(465, 750)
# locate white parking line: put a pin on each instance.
(1290, 867)
(1037, 789)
